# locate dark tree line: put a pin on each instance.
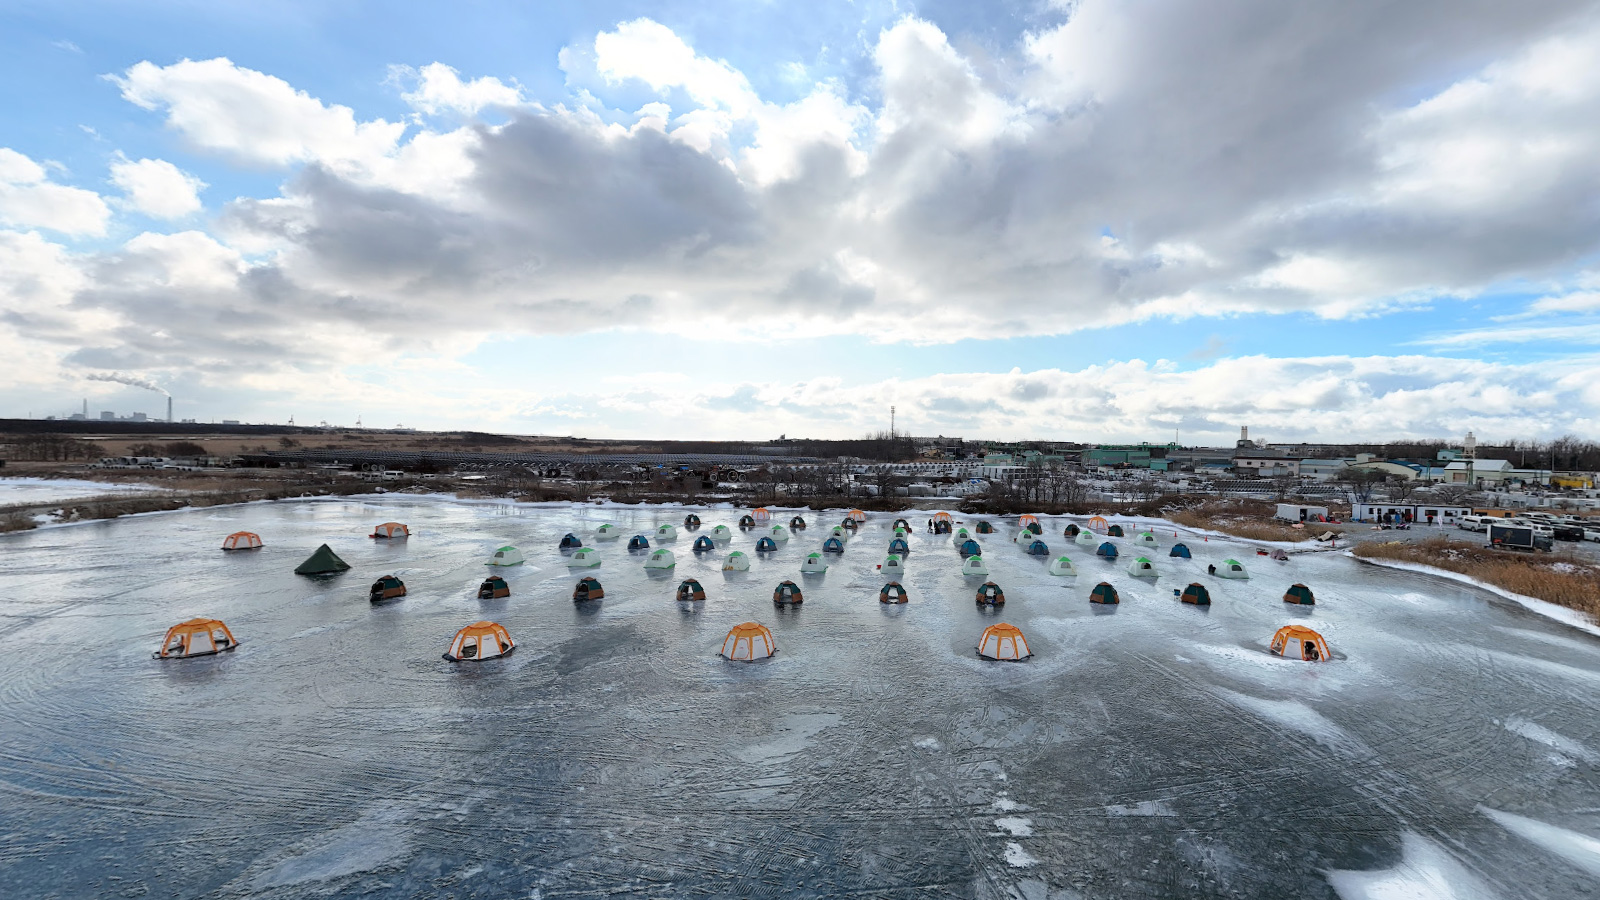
(52, 448)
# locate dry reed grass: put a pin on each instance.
(1562, 578)
(1248, 519)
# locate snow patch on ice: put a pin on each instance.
(1003, 803)
(926, 743)
(1297, 716)
(793, 734)
(1141, 808)
(1536, 732)
(1579, 849)
(1425, 872)
(1015, 826)
(1018, 857)
(372, 841)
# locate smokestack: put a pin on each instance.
(169, 409)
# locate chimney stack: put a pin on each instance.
(169, 409)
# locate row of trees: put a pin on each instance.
(52, 448)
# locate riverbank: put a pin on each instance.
(1559, 579)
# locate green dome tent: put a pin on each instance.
(1299, 593)
(322, 562)
(1196, 594)
(1104, 593)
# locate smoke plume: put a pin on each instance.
(130, 381)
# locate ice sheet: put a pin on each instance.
(1147, 750)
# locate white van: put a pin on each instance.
(1473, 523)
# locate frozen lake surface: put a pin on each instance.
(1147, 750)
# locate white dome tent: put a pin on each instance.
(814, 564)
(660, 559)
(973, 566)
(737, 561)
(584, 558)
(1062, 565)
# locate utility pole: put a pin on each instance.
(891, 422)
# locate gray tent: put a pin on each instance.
(322, 562)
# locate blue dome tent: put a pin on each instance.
(1108, 550)
(703, 544)
(833, 545)
(571, 542)
(1181, 551)
(969, 548)
(638, 542)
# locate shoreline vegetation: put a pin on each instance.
(1557, 578)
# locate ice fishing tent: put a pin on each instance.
(991, 595)
(1003, 641)
(943, 518)
(588, 589)
(1026, 520)
(195, 637)
(813, 564)
(691, 521)
(1231, 568)
(690, 590)
(766, 545)
(1179, 550)
(1299, 642)
(1280, 555)
(1142, 567)
(780, 533)
(787, 592)
(983, 527)
(899, 545)
(969, 548)
(322, 562)
(1196, 594)
(638, 542)
(1299, 593)
(973, 565)
(736, 561)
(1146, 539)
(1062, 565)
(583, 558)
(703, 544)
(480, 641)
(962, 534)
(242, 540)
(857, 516)
(840, 532)
(902, 523)
(747, 521)
(390, 530)
(666, 533)
(1107, 550)
(660, 559)
(1104, 593)
(893, 593)
(1038, 548)
(505, 556)
(722, 533)
(797, 524)
(570, 541)
(1085, 538)
(748, 642)
(607, 532)
(762, 514)
(833, 545)
(1071, 530)
(893, 566)
(386, 588)
(494, 588)
(1114, 531)
(849, 525)
(1096, 524)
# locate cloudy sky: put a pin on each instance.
(1074, 220)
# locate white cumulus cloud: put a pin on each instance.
(157, 188)
(30, 199)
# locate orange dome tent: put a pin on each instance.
(1097, 525)
(391, 530)
(195, 637)
(480, 641)
(1299, 642)
(1027, 519)
(242, 540)
(763, 514)
(856, 515)
(1004, 641)
(748, 642)
(943, 517)
(386, 588)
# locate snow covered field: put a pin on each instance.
(1147, 750)
(50, 490)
